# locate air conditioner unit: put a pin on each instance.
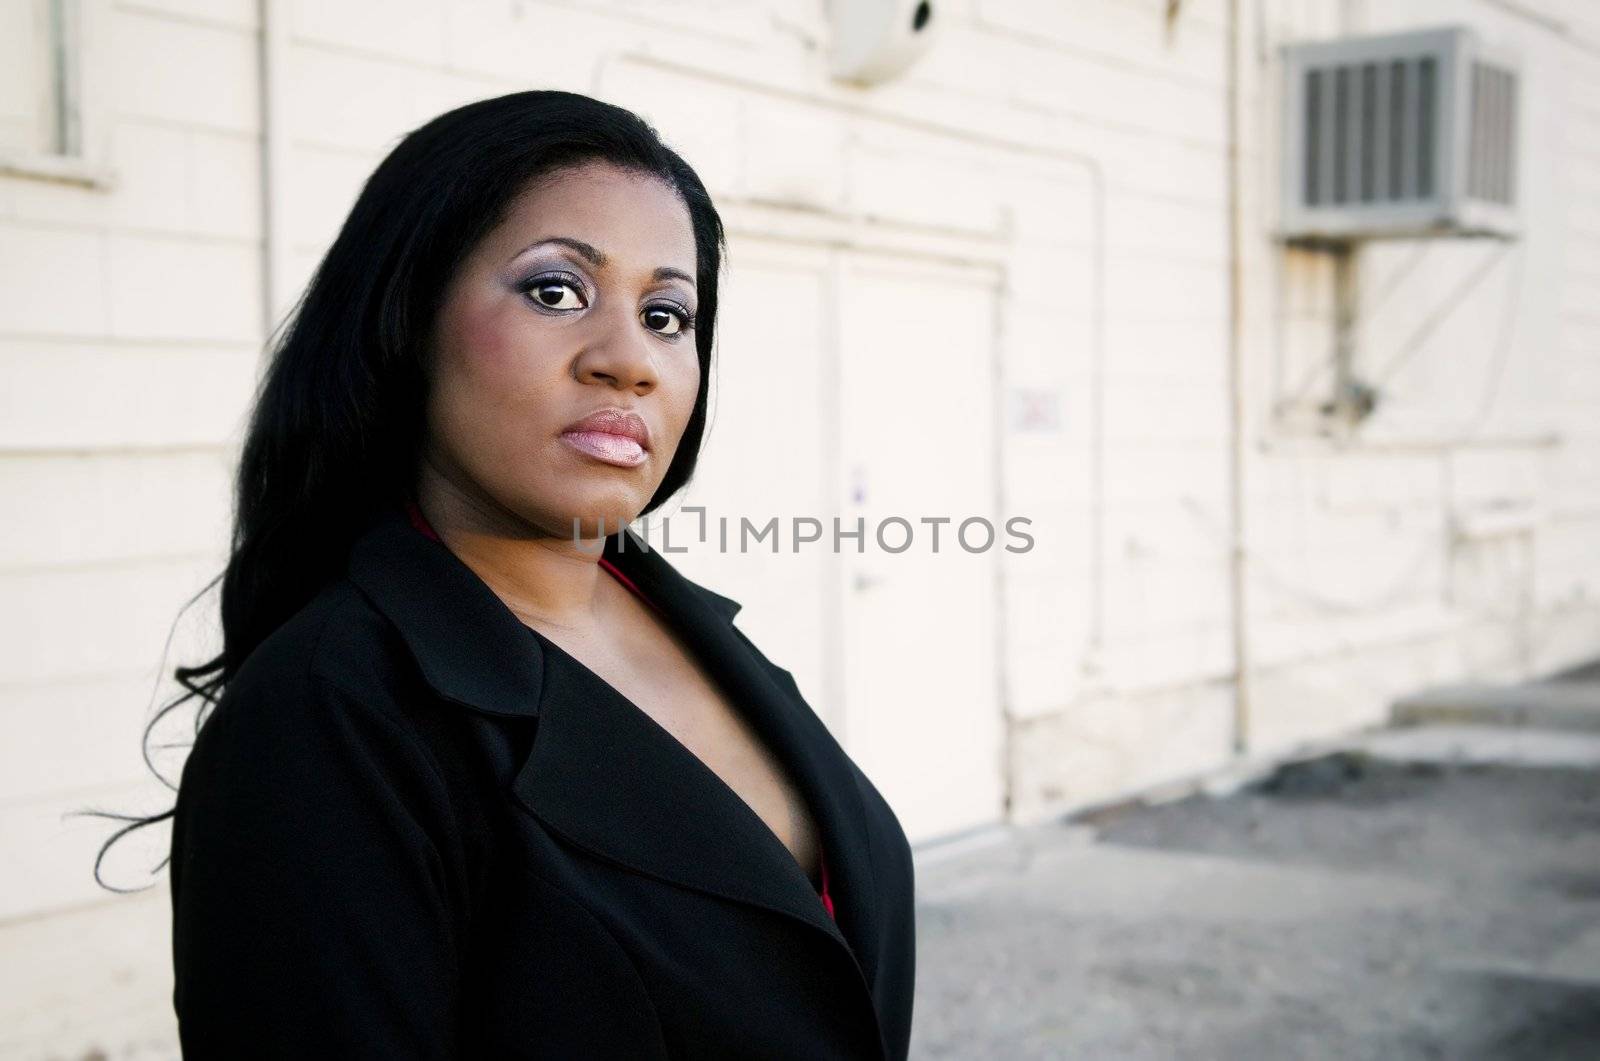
(1406, 134)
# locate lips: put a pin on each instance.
(613, 436)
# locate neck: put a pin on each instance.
(548, 580)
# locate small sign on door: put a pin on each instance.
(1035, 410)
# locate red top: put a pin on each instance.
(419, 521)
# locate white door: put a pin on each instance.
(767, 456)
(846, 374)
(916, 378)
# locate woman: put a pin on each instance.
(487, 776)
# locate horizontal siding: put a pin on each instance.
(76, 396)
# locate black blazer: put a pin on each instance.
(413, 827)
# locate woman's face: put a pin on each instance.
(580, 301)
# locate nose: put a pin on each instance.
(618, 353)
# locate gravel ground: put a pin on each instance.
(1345, 907)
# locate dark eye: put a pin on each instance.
(667, 320)
(552, 294)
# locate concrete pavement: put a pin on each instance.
(1422, 893)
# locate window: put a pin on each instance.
(43, 103)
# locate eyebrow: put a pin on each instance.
(599, 260)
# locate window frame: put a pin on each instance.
(79, 154)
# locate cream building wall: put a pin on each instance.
(1450, 537)
(1066, 159)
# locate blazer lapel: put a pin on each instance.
(620, 784)
(791, 728)
(605, 775)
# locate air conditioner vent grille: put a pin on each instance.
(1369, 132)
(1403, 134)
(1494, 109)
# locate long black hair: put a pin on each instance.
(337, 425)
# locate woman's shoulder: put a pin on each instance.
(317, 851)
(333, 674)
(336, 639)
(317, 712)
